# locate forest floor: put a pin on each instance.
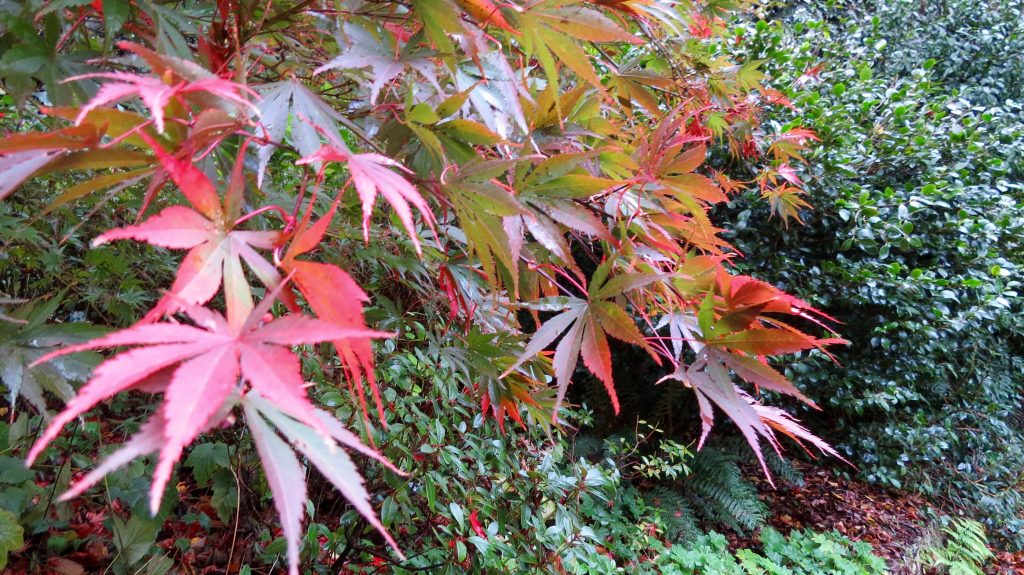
(893, 522)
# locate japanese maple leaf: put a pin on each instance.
(668, 204)
(785, 202)
(291, 99)
(778, 420)
(157, 94)
(23, 155)
(791, 143)
(745, 291)
(370, 174)
(215, 257)
(487, 13)
(16, 167)
(335, 297)
(789, 174)
(286, 476)
(586, 324)
(554, 32)
(730, 331)
(549, 194)
(709, 378)
(217, 249)
(205, 361)
(172, 79)
(366, 51)
(667, 160)
(494, 90)
(734, 317)
(633, 84)
(712, 384)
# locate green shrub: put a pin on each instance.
(810, 553)
(978, 48)
(915, 244)
(686, 491)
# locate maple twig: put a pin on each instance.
(571, 279)
(53, 491)
(281, 16)
(66, 36)
(545, 275)
(360, 134)
(238, 510)
(127, 134)
(271, 208)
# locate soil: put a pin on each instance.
(893, 522)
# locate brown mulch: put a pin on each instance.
(893, 522)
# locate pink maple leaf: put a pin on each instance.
(371, 174)
(206, 360)
(157, 94)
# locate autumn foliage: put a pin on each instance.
(546, 161)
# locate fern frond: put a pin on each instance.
(965, 552)
(782, 469)
(966, 539)
(717, 491)
(676, 514)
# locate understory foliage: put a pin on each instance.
(528, 182)
(916, 245)
(688, 491)
(802, 553)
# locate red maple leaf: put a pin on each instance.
(335, 297)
